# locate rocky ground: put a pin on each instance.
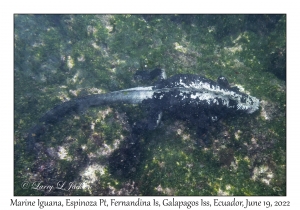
(61, 57)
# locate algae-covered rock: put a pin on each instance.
(60, 57)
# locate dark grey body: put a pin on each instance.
(186, 94)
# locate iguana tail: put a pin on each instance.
(127, 96)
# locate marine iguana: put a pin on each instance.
(187, 94)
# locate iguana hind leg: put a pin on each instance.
(145, 75)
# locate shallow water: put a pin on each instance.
(61, 57)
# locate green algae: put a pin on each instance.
(60, 57)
